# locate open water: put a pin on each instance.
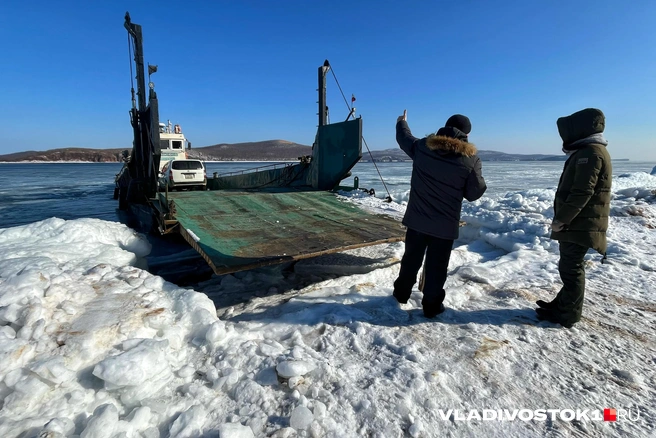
(31, 192)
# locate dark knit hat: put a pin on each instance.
(580, 125)
(460, 122)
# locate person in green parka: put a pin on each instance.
(581, 210)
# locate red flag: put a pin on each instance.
(352, 98)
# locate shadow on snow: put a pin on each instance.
(376, 310)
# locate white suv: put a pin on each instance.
(179, 174)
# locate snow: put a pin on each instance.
(92, 345)
(293, 368)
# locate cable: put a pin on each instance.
(340, 88)
(389, 195)
(130, 60)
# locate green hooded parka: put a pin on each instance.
(582, 200)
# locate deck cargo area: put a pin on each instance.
(238, 230)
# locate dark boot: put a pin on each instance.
(433, 311)
(554, 316)
(401, 298)
(552, 305)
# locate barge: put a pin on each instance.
(245, 220)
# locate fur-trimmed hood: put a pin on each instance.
(450, 145)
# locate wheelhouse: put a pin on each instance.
(172, 142)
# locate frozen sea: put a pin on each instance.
(30, 192)
(93, 345)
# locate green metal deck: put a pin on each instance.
(237, 230)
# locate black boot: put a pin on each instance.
(552, 305)
(553, 316)
(433, 311)
(402, 299)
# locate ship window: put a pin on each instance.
(163, 144)
(177, 144)
(186, 165)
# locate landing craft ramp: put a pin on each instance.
(239, 230)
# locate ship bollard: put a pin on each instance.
(216, 175)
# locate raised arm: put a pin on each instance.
(405, 139)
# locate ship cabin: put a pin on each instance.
(172, 142)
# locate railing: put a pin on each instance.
(254, 169)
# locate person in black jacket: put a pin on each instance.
(445, 169)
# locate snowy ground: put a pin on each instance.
(93, 346)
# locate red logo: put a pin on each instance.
(610, 415)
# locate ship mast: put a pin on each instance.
(323, 109)
(145, 158)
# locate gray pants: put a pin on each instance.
(572, 273)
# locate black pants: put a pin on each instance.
(438, 252)
(572, 273)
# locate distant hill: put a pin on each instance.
(502, 156)
(66, 154)
(269, 150)
(392, 155)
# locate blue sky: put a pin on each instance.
(237, 71)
